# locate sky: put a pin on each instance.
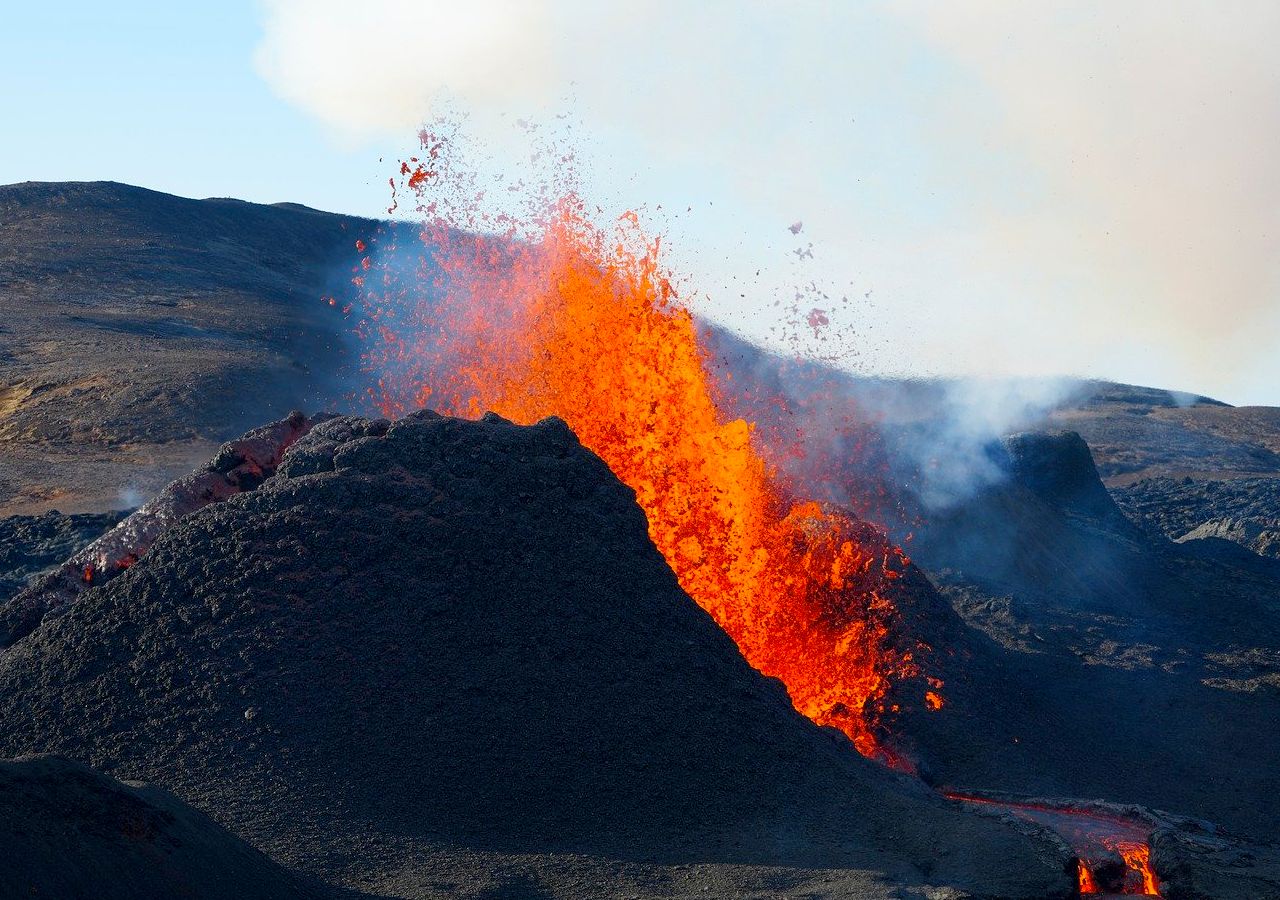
(1044, 188)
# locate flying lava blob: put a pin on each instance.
(556, 316)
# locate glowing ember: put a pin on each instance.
(1137, 858)
(573, 322)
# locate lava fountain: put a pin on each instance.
(569, 319)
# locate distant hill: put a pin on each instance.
(138, 329)
(1138, 433)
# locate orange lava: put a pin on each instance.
(1137, 858)
(575, 322)
(1094, 835)
(1085, 876)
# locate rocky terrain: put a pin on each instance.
(1245, 511)
(1188, 468)
(1108, 662)
(32, 545)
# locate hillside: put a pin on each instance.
(138, 330)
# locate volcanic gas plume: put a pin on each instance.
(568, 319)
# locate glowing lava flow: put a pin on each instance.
(571, 322)
(1113, 855)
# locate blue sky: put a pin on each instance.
(1029, 189)
(164, 95)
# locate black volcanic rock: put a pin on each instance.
(1205, 864)
(69, 833)
(458, 634)
(1245, 511)
(1058, 469)
(31, 545)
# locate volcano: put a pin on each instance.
(436, 633)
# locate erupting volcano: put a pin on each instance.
(569, 320)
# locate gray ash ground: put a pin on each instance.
(439, 635)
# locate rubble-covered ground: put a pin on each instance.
(1245, 511)
(32, 545)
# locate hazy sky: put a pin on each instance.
(1022, 188)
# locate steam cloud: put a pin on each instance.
(1033, 189)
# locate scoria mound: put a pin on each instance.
(440, 633)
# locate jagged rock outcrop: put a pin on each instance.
(1058, 468)
(240, 465)
(1262, 536)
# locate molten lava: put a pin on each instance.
(573, 322)
(1104, 841)
(1137, 858)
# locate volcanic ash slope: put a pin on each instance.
(68, 832)
(441, 634)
